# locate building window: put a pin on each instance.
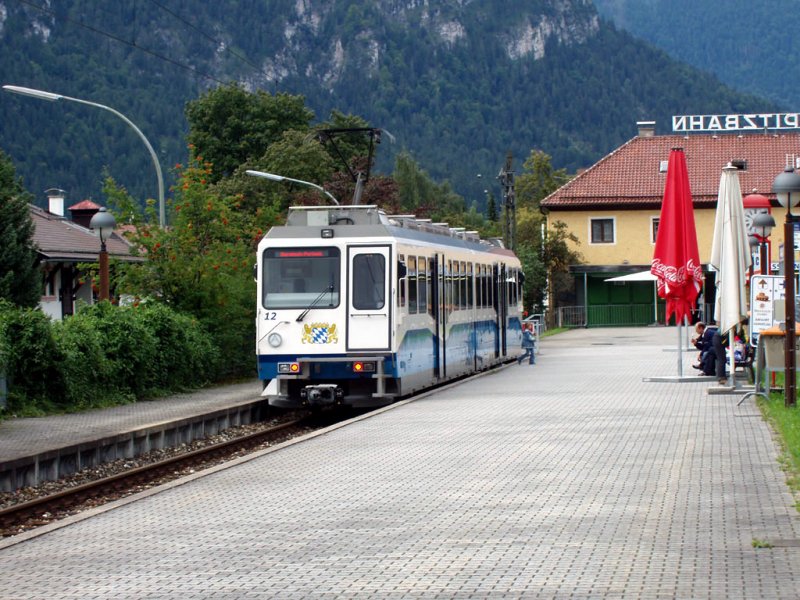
(602, 231)
(654, 229)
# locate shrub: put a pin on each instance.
(185, 355)
(33, 361)
(88, 373)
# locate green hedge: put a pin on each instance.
(101, 356)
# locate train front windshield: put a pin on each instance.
(298, 277)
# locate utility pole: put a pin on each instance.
(506, 178)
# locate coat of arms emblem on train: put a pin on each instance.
(320, 333)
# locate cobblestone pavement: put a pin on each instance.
(571, 478)
(23, 437)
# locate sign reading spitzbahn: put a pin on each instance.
(751, 122)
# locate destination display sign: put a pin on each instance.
(748, 122)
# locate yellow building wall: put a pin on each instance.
(633, 244)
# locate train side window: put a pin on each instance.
(456, 287)
(491, 277)
(369, 281)
(478, 286)
(429, 267)
(401, 284)
(450, 300)
(484, 288)
(422, 280)
(462, 285)
(512, 286)
(470, 284)
(412, 284)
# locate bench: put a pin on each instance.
(746, 364)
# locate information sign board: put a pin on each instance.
(765, 290)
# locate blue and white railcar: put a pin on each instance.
(359, 308)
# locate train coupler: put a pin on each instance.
(323, 393)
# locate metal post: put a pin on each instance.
(506, 178)
(790, 384)
(51, 97)
(104, 276)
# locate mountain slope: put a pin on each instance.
(457, 82)
(752, 46)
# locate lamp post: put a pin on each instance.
(103, 222)
(787, 188)
(763, 224)
(754, 243)
(51, 97)
(273, 177)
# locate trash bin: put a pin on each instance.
(774, 345)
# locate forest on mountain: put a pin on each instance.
(456, 85)
(750, 46)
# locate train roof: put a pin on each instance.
(368, 219)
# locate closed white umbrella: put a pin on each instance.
(730, 256)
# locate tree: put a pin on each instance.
(296, 155)
(20, 280)
(229, 125)
(491, 207)
(546, 257)
(539, 179)
(202, 265)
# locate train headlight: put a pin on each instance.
(363, 367)
(275, 339)
(291, 368)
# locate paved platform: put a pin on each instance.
(572, 478)
(37, 449)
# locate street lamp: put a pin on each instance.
(273, 177)
(51, 97)
(787, 187)
(103, 222)
(754, 243)
(763, 224)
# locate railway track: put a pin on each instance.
(23, 516)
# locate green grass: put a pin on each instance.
(554, 331)
(786, 423)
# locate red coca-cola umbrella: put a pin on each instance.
(676, 260)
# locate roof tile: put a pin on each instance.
(630, 175)
(59, 239)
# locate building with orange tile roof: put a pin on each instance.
(63, 245)
(614, 206)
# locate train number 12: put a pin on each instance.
(270, 316)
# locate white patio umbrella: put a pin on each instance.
(730, 257)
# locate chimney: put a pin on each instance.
(83, 211)
(646, 128)
(55, 201)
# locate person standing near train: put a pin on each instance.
(528, 345)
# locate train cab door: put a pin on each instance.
(369, 317)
